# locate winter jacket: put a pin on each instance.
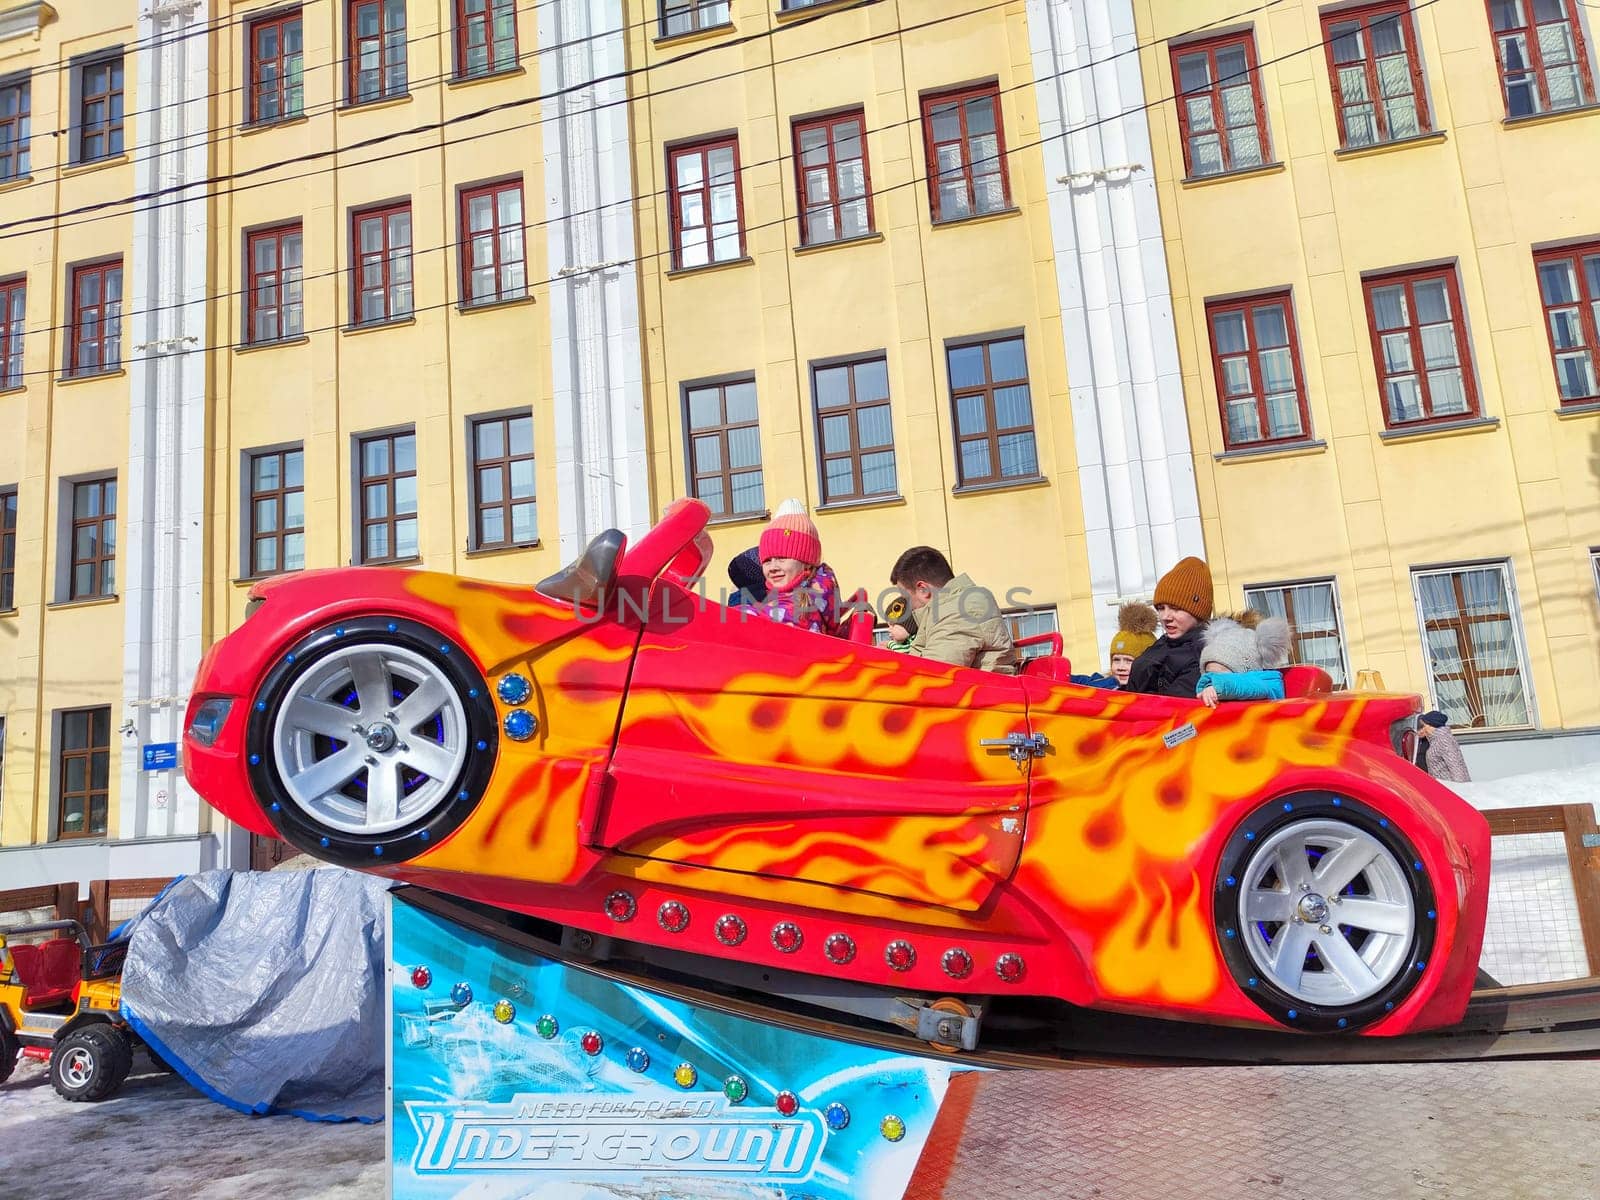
(1445, 760)
(812, 604)
(1169, 668)
(1243, 685)
(1095, 681)
(963, 626)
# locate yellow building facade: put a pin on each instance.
(1382, 225)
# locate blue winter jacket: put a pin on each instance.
(1243, 685)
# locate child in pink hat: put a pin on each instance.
(801, 589)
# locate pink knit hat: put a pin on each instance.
(791, 535)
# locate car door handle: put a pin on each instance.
(1021, 746)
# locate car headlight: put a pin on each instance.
(208, 720)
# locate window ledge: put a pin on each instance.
(1565, 114)
(859, 240)
(707, 268)
(488, 305)
(805, 10)
(355, 106)
(978, 218)
(414, 561)
(1194, 181)
(254, 127)
(1585, 408)
(1442, 429)
(865, 502)
(498, 551)
(90, 602)
(1002, 485)
(459, 80)
(1431, 138)
(83, 168)
(7, 613)
(742, 518)
(91, 376)
(276, 344)
(16, 181)
(1275, 450)
(6, 391)
(375, 326)
(694, 35)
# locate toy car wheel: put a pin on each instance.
(90, 1063)
(9, 1049)
(1325, 912)
(372, 738)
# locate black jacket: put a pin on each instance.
(1169, 668)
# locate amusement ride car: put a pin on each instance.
(613, 754)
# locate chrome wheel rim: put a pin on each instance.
(1327, 912)
(77, 1067)
(369, 739)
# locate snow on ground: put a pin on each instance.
(159, 1138)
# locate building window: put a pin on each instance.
(707, 210)
(277, 89)
(274, 307)
(1031, 622)
(276, 535)
(8, 549)
(1220, 113)
(486, 37)
(1419, 343)
(377, 51)
(855, 438)
(993, 412)
(14, 101)
(1376, 73)
(95, 335)
(1472, 645)
(85, 772)
(94, 539)
(505, 511)
(100, 109)
(388, 497)
(1544, 64)
(13, 303)
(493, 263)
(686, 16)
(1312, 611)
(1569, 286)
(966, 149)
(382, 266)
(831, 172)
(1594, 564)
(1256, 355)
(725, 447)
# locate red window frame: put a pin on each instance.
(1535, 68)
(483, 464)
(13, 305)
(1587, 302)
(107, 130)
(1464, 360)
(993, 432)
(960, 97)
(1210, 47)
(290, 98)
(497, 57)
(101, 523)
(391, 76)
(278, 537)
(283, 283)
(15, 125)
(106, 338)
(1248, 307)
(1364, 18)
(829, 170)
(388, 480)
(388, 256)
(495, 235)
(718, 432)
(848, 413)
(95, 739)
(678, 195)
(8, 550)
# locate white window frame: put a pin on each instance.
(1519, 640)
(1338, 614)
(1048, 614)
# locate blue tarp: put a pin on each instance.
(265, 990)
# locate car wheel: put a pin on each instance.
(90, 1063)
(1324, 911)
(371, 739)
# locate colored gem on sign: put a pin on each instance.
(730, 930)
(1338, 803)
(787, 1103)
(1287, 807)
(1343, 1022)
(514, 689)
(1249, 835)
(378, 851)
(1294, 1014)
(276, 807)
(1010, 968)
(901, 956)
(591, 1042)
(685, 1076)
(261, 706)
(673, 916)
(461, 994)
(483, 745)
(325, 843)
(735, 1089)
(620, 906)
(1231, 881)
(421, 977)
(957, 963)
(520, 724)
(786, 936)
(255, 760)
(840, 948)
(504, 1011)
(547, 1027)
(1417, 865)
(892, 1128)
(837, 1116)
(392, 627)
(1432, 915)
(638, 1059)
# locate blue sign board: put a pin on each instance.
(161, 756)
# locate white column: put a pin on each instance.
(1141, 509)
(162, 492)
(596, 362)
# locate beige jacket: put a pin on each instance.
(963, 627)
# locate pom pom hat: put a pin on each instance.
(1240, 648)
(1187, 586)
(1136, 630)
(791, 535)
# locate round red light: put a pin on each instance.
(620, 906)
(839, 948)
(730, 930)
(957, 963)
(786, 936)
(591, 1042)
(421, 977)
(900, 956)
(787, 1103)
(1010, 968)
(673, 916)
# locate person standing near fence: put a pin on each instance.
(1444, 759)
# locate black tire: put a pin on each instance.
(1235, 937)
(9, 1049)
(91, 1062)
(463, 792)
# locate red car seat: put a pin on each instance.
(1053, 665)
(1305, 681)
(48, 972)
(857, 624)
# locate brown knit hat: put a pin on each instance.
(1187, 586)
(1136, 630)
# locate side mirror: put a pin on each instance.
(590, 580)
